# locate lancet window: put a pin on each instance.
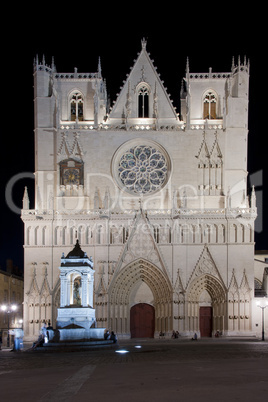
(77, 107)
(143, 102)
(210, 105)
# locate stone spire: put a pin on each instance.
(143, 43)
(253, 198)
(25, 201)
(99, 68)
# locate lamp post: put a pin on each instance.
(262, 308)
(8, 309)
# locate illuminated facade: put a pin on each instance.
(157, 198)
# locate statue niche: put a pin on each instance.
(77, 291)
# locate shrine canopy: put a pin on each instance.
(76, 257)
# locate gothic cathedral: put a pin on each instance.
(157, 198)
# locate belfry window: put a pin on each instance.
(143, 102)
(210, 105)
(77, 107)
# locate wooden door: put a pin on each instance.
(142, 321)
(205, 321)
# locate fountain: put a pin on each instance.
(76, 316)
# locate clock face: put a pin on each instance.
(71, 172)
(71, 176)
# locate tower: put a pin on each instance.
(158, 198)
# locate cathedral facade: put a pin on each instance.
(157, 198)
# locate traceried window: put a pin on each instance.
(77, 107)
(143, 169)
(210, 105)
(143, 102)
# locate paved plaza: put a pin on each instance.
(151, 370)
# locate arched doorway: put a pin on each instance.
(206, 305)
(142, 321)
(140, 282)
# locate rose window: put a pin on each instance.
(143, 169)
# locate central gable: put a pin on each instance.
(143, 95)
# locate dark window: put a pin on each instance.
(77, 107)
(143, 102)
(210, 103)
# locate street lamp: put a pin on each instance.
(8, 309)
(263, 308)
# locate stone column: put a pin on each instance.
(84, 280)
(63, 292)
(90, 289)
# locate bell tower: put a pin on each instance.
(237, 95)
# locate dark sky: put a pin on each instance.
(79, 37)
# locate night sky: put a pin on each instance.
(77, 39)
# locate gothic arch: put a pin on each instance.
(145, 271)
(120, 290)
(76, 101)
(217, 292)
(210, 101)
(143, 91)
(209, 283)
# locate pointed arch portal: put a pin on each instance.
(206, 305)
(159, 309)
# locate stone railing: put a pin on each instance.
(209, 75)
(194, 125)
(89, 125)
(75, 75)
(201, 124)
(237, 213)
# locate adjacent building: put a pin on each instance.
(11, 294)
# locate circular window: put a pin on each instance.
(141, 169)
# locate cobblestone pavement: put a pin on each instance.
(169, 370)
